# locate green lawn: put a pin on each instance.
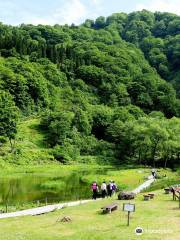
(57, 175)
(126, 178)
(160, 219)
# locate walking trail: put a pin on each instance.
(51, 208)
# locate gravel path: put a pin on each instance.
(42, 210)
(144, 185)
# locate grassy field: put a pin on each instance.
(125, 178)
(160, 219)
(56, 176)
(171, 178)
(30, 145)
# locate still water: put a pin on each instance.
(31, 187)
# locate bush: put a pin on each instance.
(66, 153)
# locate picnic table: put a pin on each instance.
(110, 208)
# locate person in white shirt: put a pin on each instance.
(103, 189)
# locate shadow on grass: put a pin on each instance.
(176, 208)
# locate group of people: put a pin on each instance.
(105, 190)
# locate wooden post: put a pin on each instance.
(128, 218)
(174, 195)
(6, 207)
(38, 202)
(128, 207)
(46, 200)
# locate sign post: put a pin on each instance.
(128, 218)
(128, 207)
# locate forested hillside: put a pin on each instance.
(107, 90)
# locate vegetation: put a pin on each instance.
(165, 179)
(30, 186)
(89, 223)
(60, 182)
(87, 220)
(106, 91)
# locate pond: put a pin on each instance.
(31, 187)
(52, 184)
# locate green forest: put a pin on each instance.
(106, 91)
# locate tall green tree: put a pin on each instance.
(8, 117)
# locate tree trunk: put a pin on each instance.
(154, 153)
(165, 163)
(139, 156)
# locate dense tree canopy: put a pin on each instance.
(8, 117)
(107, 88)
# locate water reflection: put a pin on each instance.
(32, 187)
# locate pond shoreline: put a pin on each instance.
(35, 187)
(54, 207)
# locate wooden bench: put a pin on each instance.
(151, 195)
(110, 208)
(146, 197)
(167, 190)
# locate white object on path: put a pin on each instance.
(51, 208)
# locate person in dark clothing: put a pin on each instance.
(109, 188)
(114, 187)
(153, 171)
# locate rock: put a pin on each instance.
(126, 195)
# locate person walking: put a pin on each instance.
(109, 188)
(94, 188)
(153, 171)
(114, 187)
(103, 189)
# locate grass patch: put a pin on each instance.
(53, 185)
(159, 218)
(167, 178)
(31, 147)
(125, 179)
